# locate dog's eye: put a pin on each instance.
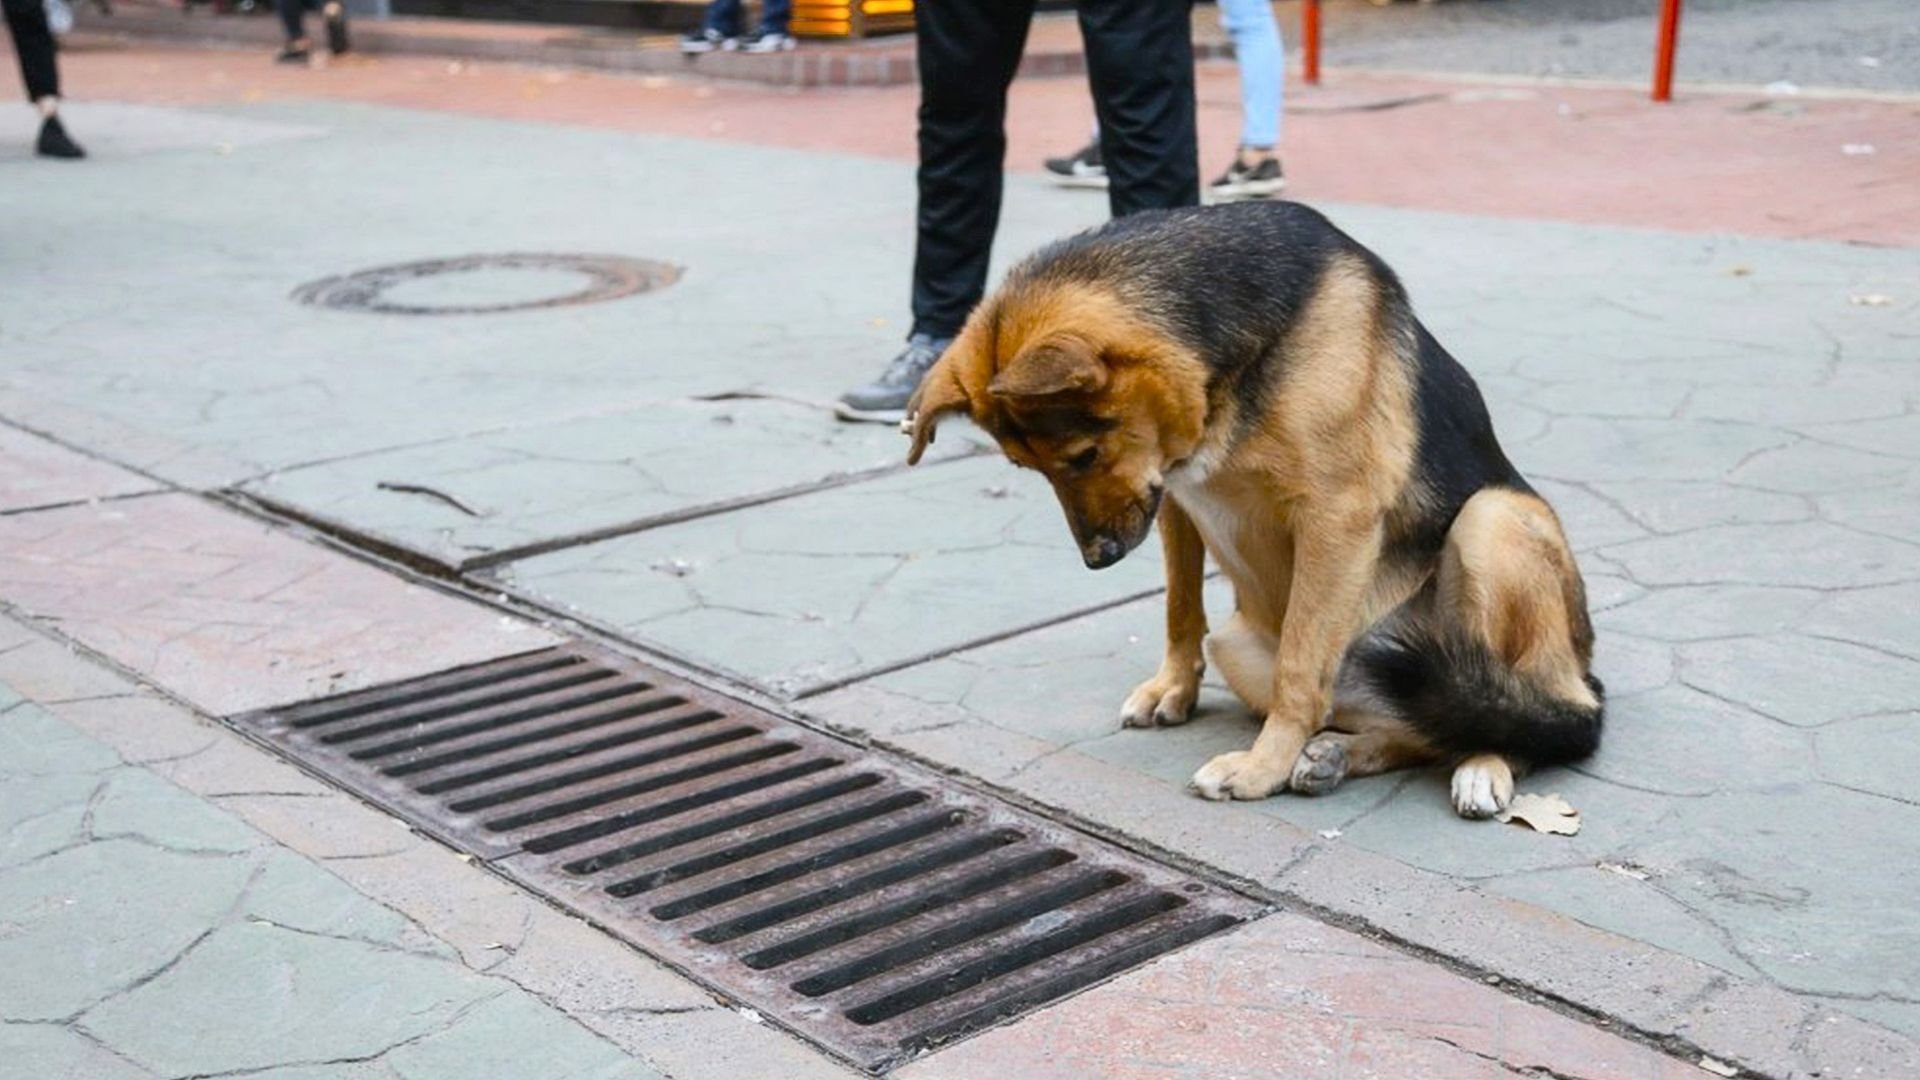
(1084, 460)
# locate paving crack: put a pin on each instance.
(1536, 1071)
(457, 1016)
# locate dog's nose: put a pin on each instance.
(1102, 553)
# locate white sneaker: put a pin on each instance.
(766, 41)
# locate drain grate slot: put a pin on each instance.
(939, 896)
(535, 707)
(869, 905)
(959, 933)
(446, 688)
(832, 823)
(612, 768)
(619, 823)
(948, 983)
(627, 853)
(904, 870)
(548, 735)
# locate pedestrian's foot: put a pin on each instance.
(766, 41)
(294, 53)
(1254, 174)
(705, 41)
(1082, 168)
(54, 141)
(336, 15)
(884, 400)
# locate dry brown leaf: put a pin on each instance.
(1718, 1068)
(1543, 813)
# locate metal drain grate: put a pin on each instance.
(873, 907)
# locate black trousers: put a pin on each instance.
(1140, 66)
(33, 42)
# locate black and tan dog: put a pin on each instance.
(1402, 596)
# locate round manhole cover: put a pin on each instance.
(478, 284)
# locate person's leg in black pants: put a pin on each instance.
(968, 51)
(293, 20)
(1140, 65)
(33, 43)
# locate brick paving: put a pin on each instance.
(1290, 997)
(231, 614)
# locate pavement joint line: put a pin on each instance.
(842, 681)
(678, 517)
(91, 455)
(68, 504)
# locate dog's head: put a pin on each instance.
(1072, 385)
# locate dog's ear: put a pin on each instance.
(940, 393)
(1056, 365)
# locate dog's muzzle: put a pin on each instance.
(1103, 549)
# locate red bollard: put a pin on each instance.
(1663, 54)
(1310, 41)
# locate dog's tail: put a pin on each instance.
(1463, 699)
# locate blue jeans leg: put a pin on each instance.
(775, 15)
(1256, 48)
(723, 16)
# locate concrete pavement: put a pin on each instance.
(1725, 419)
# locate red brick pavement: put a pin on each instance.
(1709, 162)
(1287, 997)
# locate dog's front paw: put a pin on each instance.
(1482, 786)
(1161, 701)
(1240, 774)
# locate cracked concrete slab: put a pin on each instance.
(479, 496)
(826, 586)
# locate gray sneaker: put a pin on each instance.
(884, 400)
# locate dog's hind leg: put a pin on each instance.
(1507, 582)
(1243, 655)
(1482, 785)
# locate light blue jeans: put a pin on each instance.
(1256, 48)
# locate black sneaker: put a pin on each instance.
(54, 141)
(1260, 180)
(884, 400)
(695, 42)
(1082, 168)
(293, 54)
(767, 41)
(335, 14)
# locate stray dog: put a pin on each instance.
(1401, 595)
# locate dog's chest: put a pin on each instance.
(1247, 538)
